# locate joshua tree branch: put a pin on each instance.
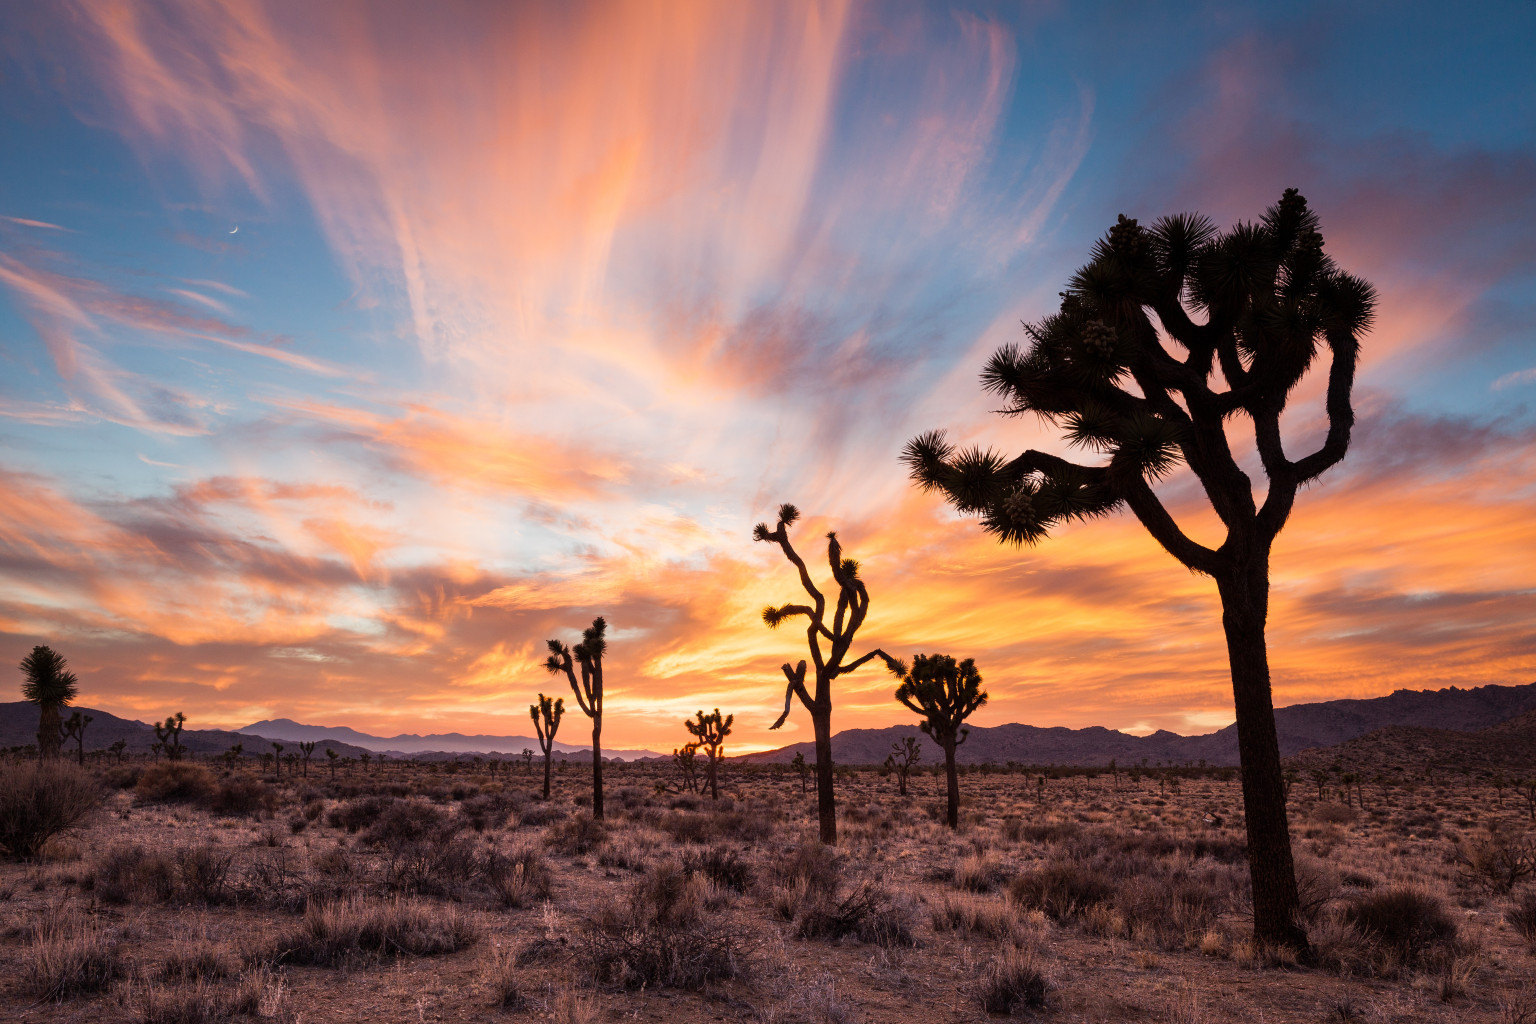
(1138, 495)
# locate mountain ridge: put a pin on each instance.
(411, 744)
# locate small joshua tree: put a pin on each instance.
(48, 683)
(366, 758)
(528, 760)
(852, 607)
(117, 747)
(589, 693)
(277, 758)
(945, 693)
(308, 747)
(332, 756)
(902, 757)
(686, 760)
(232, 755)
(710, 731)
(169, 735)
(546, 715)
(804, 770)
(74, 728)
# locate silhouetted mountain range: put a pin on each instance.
(18, 728)
(1507, 749)
(410, 744)
(1300, 726)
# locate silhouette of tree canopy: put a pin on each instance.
(589, 694)
(944, 693)
(711, 730)
(1163, 337)
(546, 715)
(852, 607)
(48, 683)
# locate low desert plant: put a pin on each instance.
(1013, 981)
(986, 919)
(69, 957)
(1061, 888)
(579, 834)
(40, 801)
(127, 874)
(359, 813)
(516, 880)
(1405, 928)
(1521, 916)
(335, 933)
(868, 912)
(175, 782)
(1497, 860)
(721, 865)
(242, 796)
(660, 936)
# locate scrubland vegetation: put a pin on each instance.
(186, 892)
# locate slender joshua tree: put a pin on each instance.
(48, 683)
(74, 729)
(546, 715)
(852, 607)
(902, 757)
(589, 692)
(1244, 314)
(945, 694)
(710, 731)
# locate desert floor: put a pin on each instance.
(407, 892)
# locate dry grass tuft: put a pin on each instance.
(335, 933)
(70, 957)
(40, 801)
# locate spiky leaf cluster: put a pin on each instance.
(1165, 333)
(944, 693)
(46, 678)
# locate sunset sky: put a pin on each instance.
(349, 351)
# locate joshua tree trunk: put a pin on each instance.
(826, 803)
(1245, 601)
(597, 766)
(48, 741)
(546, 776)
(954, 781)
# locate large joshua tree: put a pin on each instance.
(944, 694)
(852, 607)
(1168, 333)
(589, 692)
(546, 715)
(48, 683)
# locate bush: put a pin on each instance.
(242, 795)
(723, 866)
(1410, 926)
(40, 801)
(358, 813)
(578, 834)
(1013, 981)
(335, 933)
(69, 958)
(659, 936)
(812, 866)
(175, 782)
(868, 913)
(196, 1003)
(516, 880)
(1333, 814)
(1522, 916)
(1497, 860)
(1062, 889)
(407, 821)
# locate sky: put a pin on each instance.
(350, 351)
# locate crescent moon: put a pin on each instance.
(237, 228)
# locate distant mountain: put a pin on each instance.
(1508, 749)
(410, 744)
(18, 728)
(1300, 726)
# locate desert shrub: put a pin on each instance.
(242, 796)
(1011, 982)
(1521, 916)
(424, 850)
(631, 797)
(407, 821)
(506, 981)
(1048, 831)
(1496, 860)
(69, 958)
(359, 813)
(40, 801)
(334, 933)
(868, 913)
(1172, 911)
(971, 917)
(175, 782)
(538, 814)
(1406, 926)
(629, 851)
(196, 1002)
(488, 810)
(721, 865)
(979, 873)
(199, 961)
(1061, 888)
(203, 873)
(578, 834)
(123, 776)
(516, 880)
(659, 935)
(811, 865)
(125, 874)
(1333, 814)
(684, 802)
(689, 827)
